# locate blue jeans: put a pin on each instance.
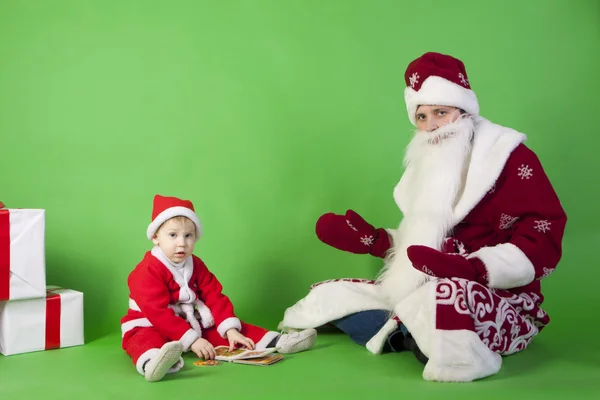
(363, 325)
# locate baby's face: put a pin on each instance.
(176, 238)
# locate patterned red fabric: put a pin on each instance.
(505, 322)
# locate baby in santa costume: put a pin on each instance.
(481, 228)
(176, 304)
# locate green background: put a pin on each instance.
(267, 114)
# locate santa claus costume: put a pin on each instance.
(172, 304)
(482, 227)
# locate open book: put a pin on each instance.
(245, 356)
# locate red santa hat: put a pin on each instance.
(438, 79)
(166, 208)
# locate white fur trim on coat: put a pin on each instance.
(460, 356)
(507, 266)
(227, 324)
(171, 213)
(376, 343)
(440, 92)
(188, 338)
(333, 300)
(454, 356)
(134, 323)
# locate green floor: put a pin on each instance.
(335, 369)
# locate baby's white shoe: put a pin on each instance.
(158, 366)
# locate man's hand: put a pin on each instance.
(204, 349)
(234, 336)
(442, 265)
(351, 233)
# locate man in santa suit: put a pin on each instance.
(481, 227)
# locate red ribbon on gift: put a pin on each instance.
(4, 255)
(52, 319)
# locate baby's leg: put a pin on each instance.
(262, 337)
(153, 355)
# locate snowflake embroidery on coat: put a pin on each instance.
(542, 226)
(463, 79)
(427, 271)
(414, 79)
(545, 273)
(525, 172)
(367, 240)
(506, 221)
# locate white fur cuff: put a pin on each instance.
(227, 324)
(188, 339)
(507, 266)
(376, 343)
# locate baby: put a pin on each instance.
(176, 304)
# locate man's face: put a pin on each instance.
(430, 118)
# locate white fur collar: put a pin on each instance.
(182, 272)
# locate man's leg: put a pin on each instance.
(363, 325)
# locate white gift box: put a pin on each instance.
(55, 321)
(22, 254)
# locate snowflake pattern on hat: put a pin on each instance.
(414, 79)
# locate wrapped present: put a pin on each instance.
(22, 254)
(53, 322)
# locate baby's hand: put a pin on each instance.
(204, 349)
(235, 336)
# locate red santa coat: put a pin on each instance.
(159, 290)
(511, 219)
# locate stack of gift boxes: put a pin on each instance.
(33, 316)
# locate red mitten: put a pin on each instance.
(351, 233)
(444, 265)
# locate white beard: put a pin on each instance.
(437, 162)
